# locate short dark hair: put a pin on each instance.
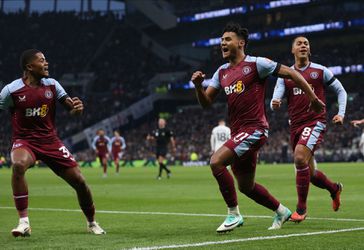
(27, 56)
(241, 32)
(294, 39)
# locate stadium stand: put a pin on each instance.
(111, 50)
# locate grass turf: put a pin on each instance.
(191, 191)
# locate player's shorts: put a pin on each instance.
(310, 135)
(117, 155)
(54, 154)
(246, 145)
(161, 152)
(102, 156)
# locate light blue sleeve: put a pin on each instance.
(338, 88)
(279, 90)
(5, 98)
(215, 82)
(94, 142)
(265, 67)
(59, 90)
(123, 144)
(327, 75)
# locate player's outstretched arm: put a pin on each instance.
(316, 104)
(278, 94)
(356, 123)
(205, 98)
(74, 105)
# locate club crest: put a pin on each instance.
(246, 70)
(48, 94)
(314, 75)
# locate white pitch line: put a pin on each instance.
(177, 214)
(273, 237)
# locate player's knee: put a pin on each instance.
(300, 160)
(215, 163)
(19, 167)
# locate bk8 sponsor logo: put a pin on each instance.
(40, 111)
(298, 91)
(237, 88)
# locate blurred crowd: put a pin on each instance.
(113, 51)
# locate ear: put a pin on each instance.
(242, 43)
(28, 67)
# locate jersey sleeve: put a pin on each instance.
(59, 90)
(213, 140)
(279, 90)
(123, 144)
(328, 76)
(93, 144)
(215, 81)
(171, 134)
(266, 67)
(334, 84)
(342, 96)
(5, 98)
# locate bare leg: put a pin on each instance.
(75, 179)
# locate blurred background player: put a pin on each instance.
(118, 145)
(101, 146)
(219, 135)
(307, 128)
(243, 80)
(32, 102)
(357, 123)
(163, 136)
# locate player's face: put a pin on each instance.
(101, 133)
(301, 48)
(116, 133)
(231, 45)
(161, 123)
(39, 66)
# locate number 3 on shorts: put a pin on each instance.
(64, 150)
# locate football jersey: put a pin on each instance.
(101, 144)
(220, 134)
(162, 136)
(117, 144)
(299, 112)
(32, 108)
(244, 86)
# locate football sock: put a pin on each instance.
(105, 168)
(24, 219)
(226, 185)
(261, 196)
(281, 209)
(234, 210)
(160, 169)
(89, 212)
(320, 180)
(21, 204)
(302, 185)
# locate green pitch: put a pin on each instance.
(137, 210)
